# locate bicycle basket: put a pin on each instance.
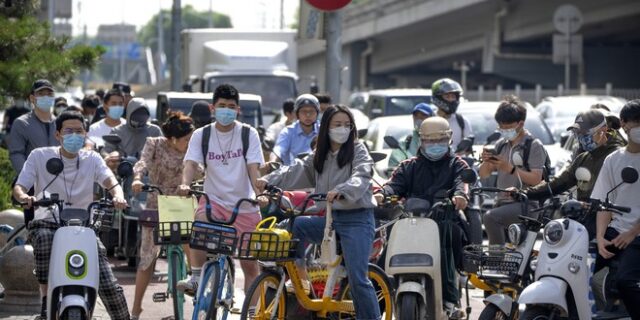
(172, 232)
(266, 246)
(487, 261)
(175, 215)
(213, 238)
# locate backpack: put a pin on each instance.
(528, 140)
(460, 120)
(206, 135)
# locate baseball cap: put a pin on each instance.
(587, 120)
(61, 103)
(41, 84)
(306, 100)
(122, 86)
(424, 108)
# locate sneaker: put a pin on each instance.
(306, 285)
(188, 286)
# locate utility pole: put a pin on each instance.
(176, 27)
(160, 43)
(210, 13)
(51, 13)
(333, 58)
(281, 14)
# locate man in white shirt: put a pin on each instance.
(289, 117)
(74, 185)
(114, 109)
(229, 176)
(446, 96)
(618, 234)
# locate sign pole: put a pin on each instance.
(333, 54)
(567, 61)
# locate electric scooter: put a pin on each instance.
(562, 274)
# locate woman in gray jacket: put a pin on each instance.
(340, 167)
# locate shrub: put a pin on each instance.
(6, 177)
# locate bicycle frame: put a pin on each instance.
(176, 252)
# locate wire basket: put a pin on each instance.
(266, 246)
(492, 260)
(213, 238)
(172, 232)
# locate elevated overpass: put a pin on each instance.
(410, 43)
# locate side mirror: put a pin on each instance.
(125, 169)
(466, 145)
(362, 133)
(629, 175)
(417, 205)
(392, 142)
(55, 166)
(376, 112)
(114, 139)
(377, 156)
(493, 137)
(469, 176)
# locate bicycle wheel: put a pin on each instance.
(260, 300)
(176, 273)
(206, 299)
(224, 297)
(383, 292)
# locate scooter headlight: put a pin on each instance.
(553, 232)
(76, 261)
(516, 232)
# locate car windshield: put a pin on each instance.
(403, 105)
(273, 90)
(484, 124)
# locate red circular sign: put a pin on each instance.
(328, 5)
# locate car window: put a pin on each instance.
(403, 105)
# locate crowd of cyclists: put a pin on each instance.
(234, 164)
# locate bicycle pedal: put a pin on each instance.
(160, 297)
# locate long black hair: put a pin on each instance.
(323, 146)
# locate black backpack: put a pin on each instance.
(460, 120)
(206, 135)
(528, 140)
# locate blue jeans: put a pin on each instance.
(355, 228)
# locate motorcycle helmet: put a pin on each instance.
(442, 86)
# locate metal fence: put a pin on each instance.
(535, 95)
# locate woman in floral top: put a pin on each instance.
(162, 160)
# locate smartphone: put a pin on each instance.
(490, 149)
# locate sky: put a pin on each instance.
(243, 13)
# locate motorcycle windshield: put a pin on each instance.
(74, 214)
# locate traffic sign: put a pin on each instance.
(567, 19)
(567, 47)
(328, 5)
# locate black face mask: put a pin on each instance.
(139, 119)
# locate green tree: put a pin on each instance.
(28, 51)
(191, 19)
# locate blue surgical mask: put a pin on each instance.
(226, 116)
(587, 142)
(115, 112)
(508, 134)
(73, 142)
(435, 151)
(45, 103)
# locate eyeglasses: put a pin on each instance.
(434, 141)
(72, 131)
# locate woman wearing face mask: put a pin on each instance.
(162, 160)
(510, 117)
(341, 168)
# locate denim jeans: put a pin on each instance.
(355, 228)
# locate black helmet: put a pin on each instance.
(441, 87)
(572, 209)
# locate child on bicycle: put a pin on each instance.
(340, 167)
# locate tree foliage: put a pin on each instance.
(28, 51)
(191, 19)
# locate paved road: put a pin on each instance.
(164, 311)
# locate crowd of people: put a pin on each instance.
(317, 144)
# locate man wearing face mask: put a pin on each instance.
(510, 117)
(435, 168)
(134, 132)
(296, 138)
(123, 87)
(114, 107)
(412, 143)
(446, 96)
(90, 104)
(200, 113)
(591, 131)
(74, 185)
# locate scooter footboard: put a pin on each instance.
(548, 290)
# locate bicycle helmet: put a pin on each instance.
(442, 86)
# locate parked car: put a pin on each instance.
(250, 105)
(358, 100)
(398, 127)
(560, 112)
(393, 102)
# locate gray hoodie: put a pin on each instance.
(353, 181)
(133, 139)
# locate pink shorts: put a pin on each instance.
(245, 221)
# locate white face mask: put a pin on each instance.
(340, 134)
(634, 135)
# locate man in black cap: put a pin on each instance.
(200, 113)
(125, 88)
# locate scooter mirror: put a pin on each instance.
(493, 137)
(55, 166)
(125, 169)
(392, 142)
(417, 205)
(362, 133)
(464, 146)
(469, 176)
(629, 175)
(377, 156)
(114, 139)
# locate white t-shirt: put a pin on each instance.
(457, 131)
(99, 129)
(626, 195)
(74, 184)
(227, 183)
